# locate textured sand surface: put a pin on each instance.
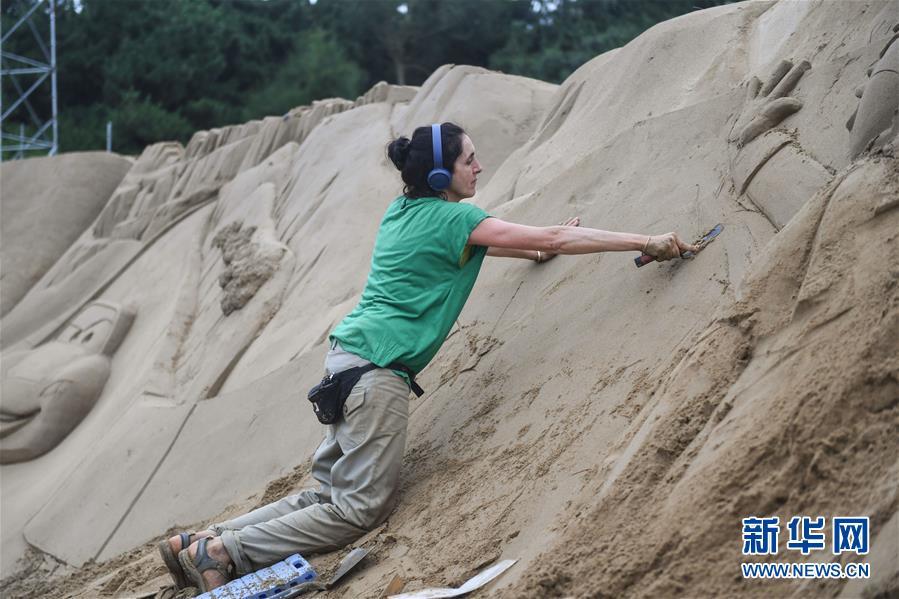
(605, 426)
(47, 203)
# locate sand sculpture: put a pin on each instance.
(276, 181)
(762, 157)
(876, 120)
(707, 408)
(249, 263)
(65, 194)
(721, 413)
(773, 104)
(607, 427)
(48, 390)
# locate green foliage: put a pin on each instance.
(162, 69)
(560, 35)
(84, 127)
(180, 60)
(139, 121)
(317, 68)
(166, 67)
(405, 47)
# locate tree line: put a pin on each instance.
(162, 69)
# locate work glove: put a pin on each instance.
(665, 247)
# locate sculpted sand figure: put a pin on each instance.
(767, 163)
(48, 390)
(876, 120)
(773, 103)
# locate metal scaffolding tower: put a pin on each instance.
(42, 135)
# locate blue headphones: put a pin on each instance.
(439, 178)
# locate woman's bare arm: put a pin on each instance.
(495, 233)
(536, 256)
(512, 253)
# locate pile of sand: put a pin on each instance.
(605, 426)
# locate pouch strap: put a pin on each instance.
(416, 389)
(354, 374)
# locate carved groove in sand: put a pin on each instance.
(876, 120)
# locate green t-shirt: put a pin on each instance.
(422, 271)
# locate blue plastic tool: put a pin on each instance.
(268, 583)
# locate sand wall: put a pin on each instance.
(606, 426)
(46, 204)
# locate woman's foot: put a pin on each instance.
(213, 577)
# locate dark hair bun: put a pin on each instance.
(398, 152)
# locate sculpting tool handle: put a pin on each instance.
(645, 259)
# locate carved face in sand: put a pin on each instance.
(48, 390)
(94, 329)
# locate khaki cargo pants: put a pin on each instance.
(357, 465)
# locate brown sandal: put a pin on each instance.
(170, 559)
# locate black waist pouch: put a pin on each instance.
(328, 396)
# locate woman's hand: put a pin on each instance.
(667, 246)
(544, 256)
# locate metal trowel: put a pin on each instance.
(346, 564)
(699, 243)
